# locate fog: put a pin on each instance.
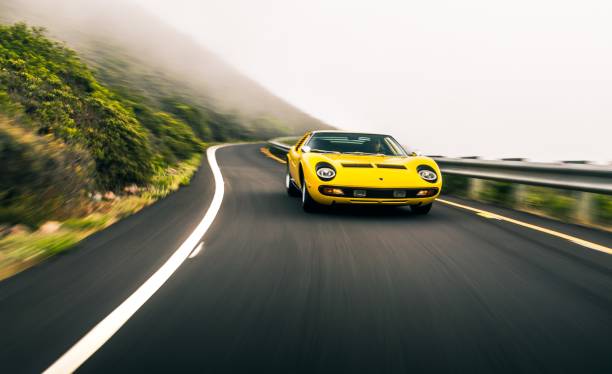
(473, 77)
(496, 79)
(128, 34)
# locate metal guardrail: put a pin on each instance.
(279, 146)
(577, 177)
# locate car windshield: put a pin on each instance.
(368, 144)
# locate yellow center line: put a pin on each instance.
(267, 152)
(573, 239)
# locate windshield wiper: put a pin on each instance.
(323, 151)
(364, 153)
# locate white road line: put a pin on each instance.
(105, 329)
(196, 250)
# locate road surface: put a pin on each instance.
(345, 290)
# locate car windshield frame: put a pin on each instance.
(355, 144)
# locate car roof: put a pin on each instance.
(346, 132)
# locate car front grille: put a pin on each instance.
(381, 193)
(390, 166)
(367, 166)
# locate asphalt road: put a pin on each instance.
(343, 290)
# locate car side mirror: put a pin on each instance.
(305, 149)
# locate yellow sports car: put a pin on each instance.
(334, 167)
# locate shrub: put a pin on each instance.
(197, 119)
(602, 205)
(173, 138)
(42, 178)
(554, 202)
(455, 185)
(59, 93)
(498, 193)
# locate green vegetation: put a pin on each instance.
(602, 206)
(42, 178)
(137, 56)
(289, 140)
(92, 221)
(63, 133)
(83, 153)
(455, 185)
(501, 193)
(139, 84)
(173, 139)
(553, 202)
(85, 142)
(21, 250)
(58, 95)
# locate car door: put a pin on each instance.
(294, 157)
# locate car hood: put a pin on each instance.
(374, 171)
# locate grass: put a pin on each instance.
(20, 251)
(23, 250)
(603, 209)
(92, 221)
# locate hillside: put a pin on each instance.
(77, 155)
(45, 86)
(103, 113)
(130, 48)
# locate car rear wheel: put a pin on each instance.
(291, 189)
(421, 209)
(308, 204)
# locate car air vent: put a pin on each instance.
(357, 165)
(390, 166)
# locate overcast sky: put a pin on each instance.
(515, 78)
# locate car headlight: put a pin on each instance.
(427, 173)
(325, 171)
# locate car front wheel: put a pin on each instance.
(308, 204)
(291, 189)
(421, 209)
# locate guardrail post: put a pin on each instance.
(584, 207)
(519, 192)
(475, 188)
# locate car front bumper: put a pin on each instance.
(328, 194)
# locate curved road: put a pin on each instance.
(345, 290)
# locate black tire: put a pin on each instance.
(308, 204)
(291, 189)
(421, 209)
